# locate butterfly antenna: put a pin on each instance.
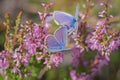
(77, 12)
(76, 17)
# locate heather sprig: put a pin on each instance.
(24, 43)
(102, 40)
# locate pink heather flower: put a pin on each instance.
(113, 45)
(76, 61)
(73, 75)
(32, 48)
(26, 59)
(30, 44)
(34, 39)
(93, 44)
(20, 58)
(17, 70)
(101, 63)
(107, 58)
(16, 58)
(56, 59)
(97, 41)
(102, 14)
(82, 76)
(4, 62)
(77, 55)
(47, 63)
(36, 31)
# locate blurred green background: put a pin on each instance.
(30, 9)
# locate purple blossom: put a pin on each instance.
(56, 59)
(17, 58)
(36, 31)
(73, 75)
(30, 44)
(26, 59)
(102, 40)
(4, 62)
(102, 14)
(20, 58)
(113, 45)
(17, 70)
(77, 55)
(35, 38)
(101, 63)
(82, 76)
(93, 44)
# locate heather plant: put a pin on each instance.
(26, 55)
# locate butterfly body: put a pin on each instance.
(71, 25)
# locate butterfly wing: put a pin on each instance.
(61, 35)
(62, 18)
(52, 44)
(49, 18)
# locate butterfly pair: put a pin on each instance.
(68, 24)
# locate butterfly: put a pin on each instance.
(57, 42)
(65, 19)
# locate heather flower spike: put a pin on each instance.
(100, 39)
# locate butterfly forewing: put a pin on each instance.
(51, 42)
(49, 18)
(62, 18)
(61, 35)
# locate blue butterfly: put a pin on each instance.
(65, 19)
(57, 42)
